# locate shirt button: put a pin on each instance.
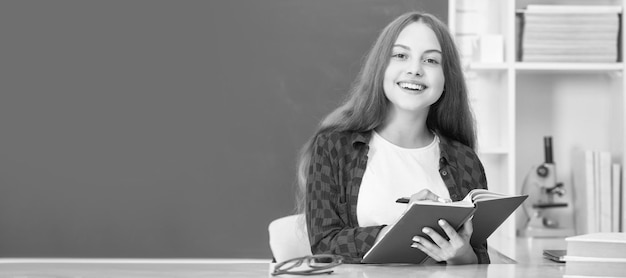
(444, 172)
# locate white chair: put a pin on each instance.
(289, 238)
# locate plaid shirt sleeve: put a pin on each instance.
(467, 173)
(481, 253)
(477, 174)
(327, 210)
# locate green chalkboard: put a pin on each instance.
(166, 129)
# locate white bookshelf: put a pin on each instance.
(581, 105)
(487, 66)
(571, 67)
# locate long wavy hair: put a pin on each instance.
(366, 106)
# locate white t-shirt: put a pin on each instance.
(393, 172)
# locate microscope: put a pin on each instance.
(543, 191)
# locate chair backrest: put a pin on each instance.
(289, 238)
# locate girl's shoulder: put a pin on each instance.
(342, 139)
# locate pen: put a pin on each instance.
(405, 200)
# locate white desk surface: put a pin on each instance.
(530, 264)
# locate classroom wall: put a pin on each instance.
(166, 129)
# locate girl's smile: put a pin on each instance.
(412, 87)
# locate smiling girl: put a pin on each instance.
(406, 129)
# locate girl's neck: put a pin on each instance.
(406, 130)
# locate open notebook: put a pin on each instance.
(489, 210)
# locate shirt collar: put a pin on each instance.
(445, 145)
(359, 138)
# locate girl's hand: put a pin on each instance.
(457, 250)
(426, 194)
(422, 195)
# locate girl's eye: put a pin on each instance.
(399, 56)
(431, 61)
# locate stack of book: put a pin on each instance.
(566, 33)
(596, 255)
(599, 194)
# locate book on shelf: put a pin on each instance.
(541, 35)
(596, 191)
(534, 25)
(554, 18)
(599, 195)
(619, 198)
(569, 58)
(573, 9)
(596, 254)
(487, 209)
(606, 200)
(570, 51)
(570, 33)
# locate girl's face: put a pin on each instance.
(414, 78)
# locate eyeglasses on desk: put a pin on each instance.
(308, 265)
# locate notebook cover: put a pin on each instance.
(395, 246)
(490, 214)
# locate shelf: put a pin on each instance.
(487, 66)
(527, 66)
(517, 102)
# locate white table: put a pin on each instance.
(529, 264)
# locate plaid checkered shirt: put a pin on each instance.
(337, 166)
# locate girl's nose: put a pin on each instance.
(415, 68)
